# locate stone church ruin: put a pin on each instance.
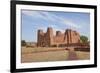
(48, 39)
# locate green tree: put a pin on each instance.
(84, 39)
(23, 43)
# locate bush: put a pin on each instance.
(84, 39)
(23, 43)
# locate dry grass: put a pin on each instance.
(83, 55)
(49, 54)
(45, 56)
(39, 49)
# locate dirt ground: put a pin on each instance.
(29, 54)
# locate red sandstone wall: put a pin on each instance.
(48, 39)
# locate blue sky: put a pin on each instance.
(33, 20)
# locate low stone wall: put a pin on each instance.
(82, 49)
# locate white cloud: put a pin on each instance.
(71, 24)
(56, 18)
(34, 14)
(51, 17)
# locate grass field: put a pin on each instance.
(49, 54)
(83, 55)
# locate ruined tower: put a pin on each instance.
(48, 39)
(45, 39)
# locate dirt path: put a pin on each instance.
(72, 56)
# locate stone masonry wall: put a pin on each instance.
(49, 39)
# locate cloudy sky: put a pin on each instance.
(34, 20)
